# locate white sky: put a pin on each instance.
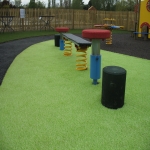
(46, 1)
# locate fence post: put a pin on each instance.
(127, 20)
(22, 23)
(72, 19)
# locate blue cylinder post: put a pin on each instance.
(95, 68)
(95, 62)
(61, 43)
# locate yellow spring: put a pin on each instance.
(68, 48)
(109, 41)
(81, 58)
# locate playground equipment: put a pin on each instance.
(82, 45)
(110, 26)
(68, 47)
(113, 86)
(61, 30)
(95, 64)
(57, 40)
(81, 62)
(142, 25)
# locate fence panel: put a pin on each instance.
(74, 19)
(100, 15)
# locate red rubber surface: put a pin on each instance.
(96, 34)
(62, 29)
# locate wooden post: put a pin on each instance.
(72, 19)
(127, 20)
(22, 23)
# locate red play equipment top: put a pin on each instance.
(145, 24)
(96, 34)
(62, 29)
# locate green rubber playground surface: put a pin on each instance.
(46, 104)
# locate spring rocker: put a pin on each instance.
(82, 45)
(95, 59)
(81, 62)
(67, 47)
(109, 26)
(142, 25)
(64, 43)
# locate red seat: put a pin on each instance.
(96, 34)
(62, 29)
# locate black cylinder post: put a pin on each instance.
(113, 87)
(57, 38)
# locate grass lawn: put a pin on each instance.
(48, 105)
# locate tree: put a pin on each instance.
(17, 3)
(67, 3)
(97, 4)
(53, 3)
(77, 4)
(5, 4)
(49, 3)
(130, 5)
(38, 4)
(32, 4)
(61, 3)
(86, 7)
(89, 3)
(111, 5)
(121, 5)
